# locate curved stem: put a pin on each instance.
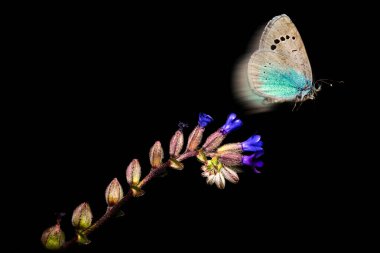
(153, 173)
(113, 211)
(186, 155)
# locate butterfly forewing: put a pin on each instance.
(281, 36)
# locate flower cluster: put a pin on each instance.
(219, 163)
(222, 163)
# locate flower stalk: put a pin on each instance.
(220, 164)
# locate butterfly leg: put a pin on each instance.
(294, 107)
(297, 100)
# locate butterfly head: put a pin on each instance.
(309, 91)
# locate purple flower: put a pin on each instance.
(253, 144)
(204, 119)
(252, 161)
(232, 124)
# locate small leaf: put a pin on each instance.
(119, 214)
(137, 192)
(176, 164)
(201, 156)
(82, 239)
(163, 174)
(215, 161)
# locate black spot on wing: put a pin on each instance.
(282, 38)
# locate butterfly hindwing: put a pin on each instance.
(272, 76)
(250, 99)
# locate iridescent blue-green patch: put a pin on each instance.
(283, 83)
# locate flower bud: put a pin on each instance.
(231, 159)
(230, 147)
(230, 175)
(231, 124)
(176, 144)
(133, 173)
(204, 119)
(156, 155)
(213, 141)
(252, 161)
(114, 193)
(252, 144)
(173, 163)
(220, 181)
(82, 216)
(195, 138)
(53, 238)
(196, 135)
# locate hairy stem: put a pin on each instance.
(113, 211)
(153, 173)
(186, 155)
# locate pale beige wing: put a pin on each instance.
(274, 77)
(281, 36)
(251, 101)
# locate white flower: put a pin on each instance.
(219, 176)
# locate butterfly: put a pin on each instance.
(278, 70)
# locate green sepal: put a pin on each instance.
(120, 214)
(174, 164)
(137, 192)
(163, 174)
(201, 156)
(82, 239)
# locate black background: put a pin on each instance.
(106, 82)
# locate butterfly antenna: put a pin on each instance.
(328, 82)
(182, 125)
